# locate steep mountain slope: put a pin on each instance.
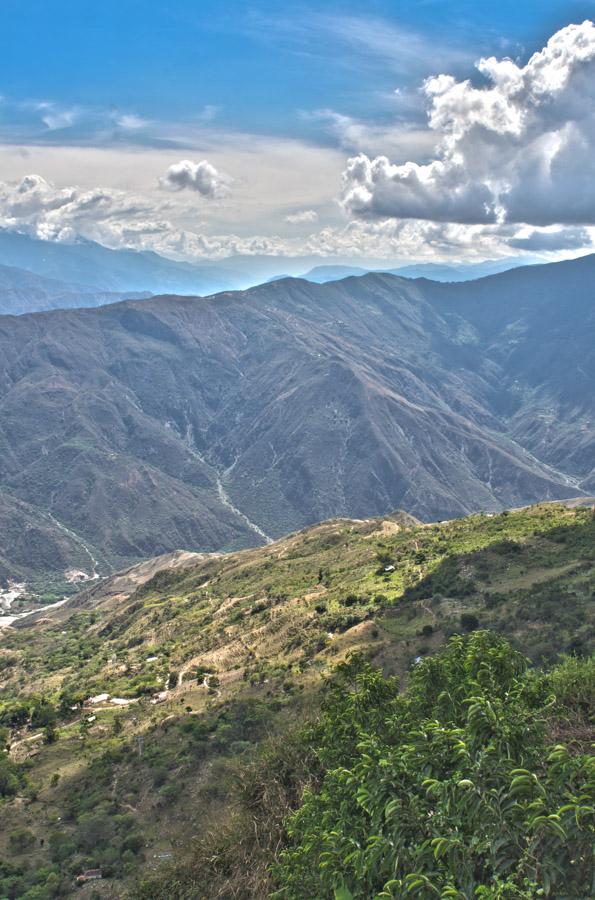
(33, 542)
(214, 423)
(232, 649)
(538, 324)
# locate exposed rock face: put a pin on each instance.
(215, 423)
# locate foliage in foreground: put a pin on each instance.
(450, 790)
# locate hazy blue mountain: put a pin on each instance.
(94, 267)
(440, 272)
(322, 274)
(433, 271)
(85, 267)
(23, 292)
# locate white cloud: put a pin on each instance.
(201, 177)
(354, 135)
(403, 50)
(116, 219)
(274, 177)
(518, 149)
(362, 42)
(415, 239)
(120, 218)
(130, 121)
(299, 218)
(410, 239)
(55, 117)
(37, 207)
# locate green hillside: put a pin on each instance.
(237, 647)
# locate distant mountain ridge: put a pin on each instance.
(37, 275)
(22, 292)
(219, 422)
(433, 271)
(91, 267)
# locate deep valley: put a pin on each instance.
(221, 422)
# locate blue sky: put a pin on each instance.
(260, 64)
(275, 97)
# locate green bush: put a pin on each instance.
(573, 683)
(11, 777)
(447, 791)
(469, 622)
(21, 840)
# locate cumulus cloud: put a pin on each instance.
(37, 207)
(201, 177)
(116, 219)
(299, 218)
(119, 219)
(519, 148)
(411, 239)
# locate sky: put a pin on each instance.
(430, 130)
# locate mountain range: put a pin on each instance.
(86, 267)
(22, 291)
(214, 423)
(434, 271)
(37, 275)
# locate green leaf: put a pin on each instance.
(343, 893)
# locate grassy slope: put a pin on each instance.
(266, 623)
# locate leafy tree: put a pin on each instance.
(11, 777)
(447, 791)
(94, 829)
(469, 622)
(14, 714)
(43, 714)
(50, 734)
(21, 839)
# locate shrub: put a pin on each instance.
(132, 842)
(21, 840)
(11, 777)
(573, 683)
(469, 622)
(448, 791)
